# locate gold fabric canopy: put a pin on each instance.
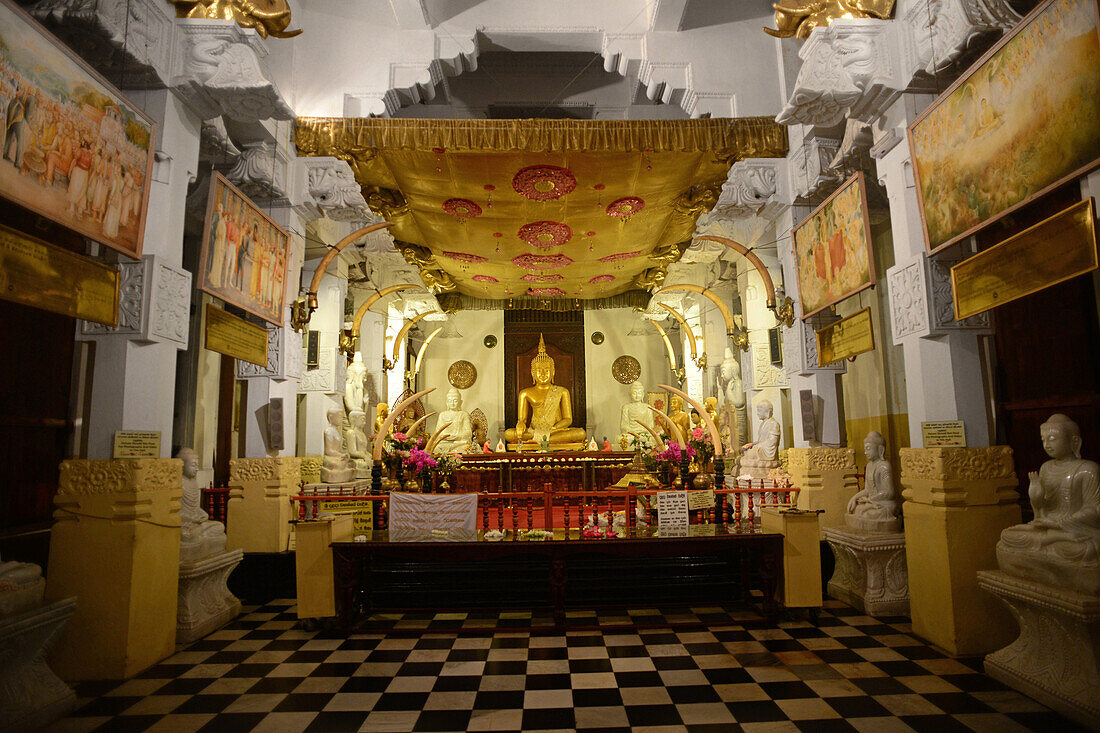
(498, 209)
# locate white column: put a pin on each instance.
(324, 390)
(133, 380)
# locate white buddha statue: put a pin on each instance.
(456, 437)
(199, 535)
(876, 508)
(635, 412)
(1061, 546)
(355, 384)
(763, 455)
(336, 467)
(355, 439)
(734, 420)
(21, 587)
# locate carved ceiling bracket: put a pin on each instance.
(921, 302)
(154, 305)
(327, 187)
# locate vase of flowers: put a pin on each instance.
(446, 465)
(421, 463)
(674, 455)
(703, 446)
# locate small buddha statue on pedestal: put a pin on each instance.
(877, 506)
(545, 410)
(355, 438)
(635, 412)
(200, 536)
(1061, 546)
(456, 437)
(336, 467)
(763, 455)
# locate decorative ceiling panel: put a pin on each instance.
(498, 209)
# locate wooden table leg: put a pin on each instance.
(557, 589)
(769, 571)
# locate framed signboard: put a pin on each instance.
(1024, 119)
(244, 253)
(74, 149)
(832, 249)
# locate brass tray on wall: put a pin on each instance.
(462, 374)
(626, 369)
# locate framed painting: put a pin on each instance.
(244, 254)
(74, 149)
(832, 248)
(1024, 119)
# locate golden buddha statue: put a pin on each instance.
(545, 409)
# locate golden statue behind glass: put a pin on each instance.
(545, 410)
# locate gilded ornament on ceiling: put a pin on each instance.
(601, 279)
(550, 277)
(626, 206)
(490, 341)
(619, 256)
(266, 17)
(462, 374)
(545, 234)
(462, 208)
(798, 18)
(465, 257)
(541, 262)
(485, 279)
(546, 292)
(544, 182)
(626, 369)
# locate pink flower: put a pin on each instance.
(697, 434)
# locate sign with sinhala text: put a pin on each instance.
(845, 338)
(227, 334)
(361, 511)
(943, 434)
(672, 510)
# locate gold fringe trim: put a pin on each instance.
(451, 302)
(733, 139)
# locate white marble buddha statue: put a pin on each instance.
(545, 409)
(734, 421)
(1061, 546)
(355, 384)
(763, 455)
(634, 412)
(456, 437)
(876, 508)
(358, 447)
(336, 467)
(200, 536)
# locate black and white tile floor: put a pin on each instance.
(706, 669)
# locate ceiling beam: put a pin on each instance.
(411, 15)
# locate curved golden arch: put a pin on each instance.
(311, 297)
(769, 286)
(404, 330)
(668, 344)
(684, 323)
(725, 310)
(674, 431)
(420, 356)
(380, 439)
(371, 301)
(715, 439)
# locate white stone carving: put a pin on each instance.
(219, 69)
(810, 170)
(800, 346)
(215, 145)
(753, 186)
(942, 30)
(154, 304)
(284, 357)
(766, 374)
(325, 186)
(1054, 660)
(323, 378)
(870, 574)
(921, 302)
(127, 40)
(31, 695)
(260, 171)
(205, 603)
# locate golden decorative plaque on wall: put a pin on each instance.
(626, 369)
(42, 275)
(462, 374)
(1052, 251)
(227, 334)
(846, 338)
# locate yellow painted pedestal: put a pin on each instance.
(827, 479)
(957, 502)
(801, 555)
(116, 547)
(313, 569)
(259, 511)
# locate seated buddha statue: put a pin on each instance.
(1061, 546)
(633, 413)
(679, 418)
(877, 506)
(545, 409)
(455, 438)
(762, 456)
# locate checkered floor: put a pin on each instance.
(702, 669)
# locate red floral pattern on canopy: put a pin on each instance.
(541, 262)
(621, 256)
(626, 206)
(465, 257)
(462, 208)
(544, 182)
(485, 279)
(552, 292)
(601, 279)
(545, 234)
(550, 277)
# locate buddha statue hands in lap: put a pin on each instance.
(455, 438)
(1061, 546)
(545, 409)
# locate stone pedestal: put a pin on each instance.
(115, 545)
(801, 586)
(826, 478)
(957, 503)
(205, 603)
(31, 695)
(260, 509)
(1056, 658)
(870, 572)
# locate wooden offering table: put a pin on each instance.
(564, 470)
(743, 547)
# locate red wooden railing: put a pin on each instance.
(215, 502)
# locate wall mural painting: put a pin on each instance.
(244, 254)
(1023, 119)
(74, 150)
(832, 249)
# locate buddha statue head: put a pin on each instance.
(874, 446)
(190, 462)
(637, 392)
(764, 409)
(1061, 437)
(542, 366)
(454, 400)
